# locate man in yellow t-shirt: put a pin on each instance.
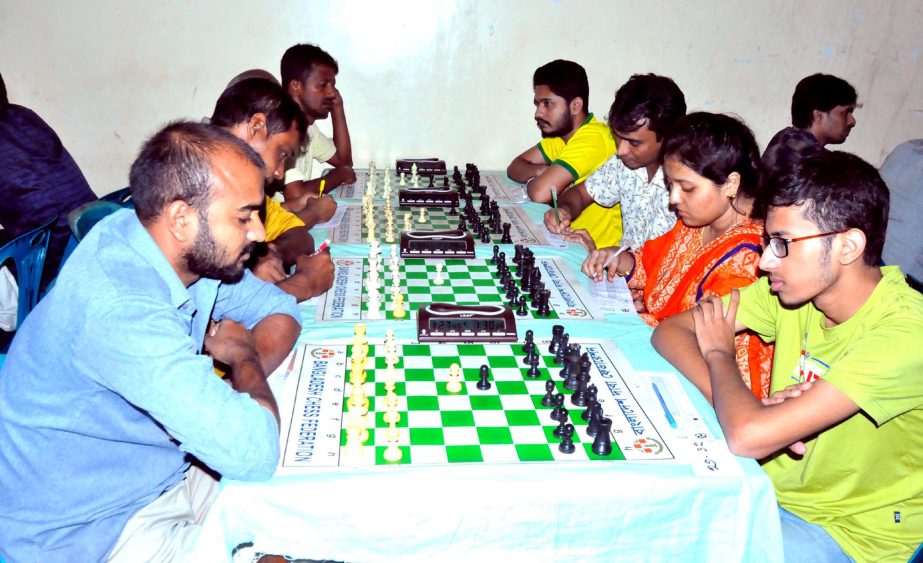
(574, 144)
(847, 376)
(259, 112)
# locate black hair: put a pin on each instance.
(299, 60)
(714, 145)
(176, 164)
(650, 97)
(244, 99)
(564, 78)
(837, 191)
(821, 92)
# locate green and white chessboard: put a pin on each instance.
(466, 282)
(352, 225)
(504, 424)
(497, 188)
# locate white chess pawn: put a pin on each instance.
(403, 181)
(455, 382)
(399, 311)
(422, 218)
(438, 279)
(413, 170)
(374, 305)
(408, 221)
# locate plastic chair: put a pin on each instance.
(121, 197)
(27, 252)
(84, 217)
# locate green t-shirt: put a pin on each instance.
(862, 480)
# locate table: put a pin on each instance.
(593, 511)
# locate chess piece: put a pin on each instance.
(596, 416)
(591, 401)
(558, 406)
(483, 383)
(496, 256)
(556, 332)
(602, 444)
(523, 310)
(529, 343)
(399, 311)
(422, 217)
(562, 424)
(506, 238)
(438, 279)
(533, 372)
(567, 440)
(455, 380)
(548, 399)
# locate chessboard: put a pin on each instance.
(464, 282)
(389, 402)
(353, 228)
(494, 185)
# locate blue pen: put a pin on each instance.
(663, 405)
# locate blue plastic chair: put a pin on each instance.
(121, 197)
(82, 219)
(27, 252)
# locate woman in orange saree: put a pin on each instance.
(711, 166)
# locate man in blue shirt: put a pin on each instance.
(107, 394)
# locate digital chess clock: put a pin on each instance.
(437, 244)
(428, 197)
(450, 322)
(425, 166)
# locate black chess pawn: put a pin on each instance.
(483, 384)
(556, 332)
(445, 182)
(591, 392)
(453, 211)
(567, 440)
(496, 256)
(523, 309)
(534, 372)
(485, 236)
(562, 423)
(462, 224)
(506, 238)
(596, 416)
(544, 309)
(512, 292)
(602, 444)
(570, 383)
(529, 344)
(548, 399)
(558, 406)
(517, 255)
(501, 258)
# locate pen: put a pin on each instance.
(324, 245)
(663, 405)
(320, 192)
(554, 201)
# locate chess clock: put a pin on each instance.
(450, 322)
(425, 166)
(428, 197)
(437, 244)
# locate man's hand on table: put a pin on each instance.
(554, 225)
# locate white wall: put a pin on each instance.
(450, 79)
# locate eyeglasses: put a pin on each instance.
(779, 245)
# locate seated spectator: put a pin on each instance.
(38, 179)
(822, 114)
(711, 165)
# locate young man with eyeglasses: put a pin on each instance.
(840, 436)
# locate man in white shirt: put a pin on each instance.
(644, 108)
(309, 75)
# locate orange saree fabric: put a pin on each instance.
(675, 270)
